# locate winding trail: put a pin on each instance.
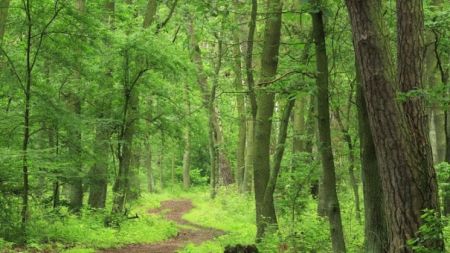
(174, 210)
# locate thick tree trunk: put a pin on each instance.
(99, 172)
(401, 142)
(75, 180)
(328, 175)
(376, 239)
(263, 125)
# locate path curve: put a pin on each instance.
(173, 210)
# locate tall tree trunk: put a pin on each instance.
(240, 102)
(251, 98)
(129, 114)
(376, 239)
(263, 125)
(323, 109)
(99, 171)
(149, 18)
(187, 142)
(26, 125)
(404, 161)
(75, 180)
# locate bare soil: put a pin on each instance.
(173, 210)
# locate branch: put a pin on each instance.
(136, 79)
(164, 23)
(44, 30)
(13, 67)
(285, 75)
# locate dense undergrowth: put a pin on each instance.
(230, 211)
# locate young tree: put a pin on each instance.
(265, 100)
(328, 184)
(251, 98)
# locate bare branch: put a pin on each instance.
(57, 10)
(311, 75)
(13, 68)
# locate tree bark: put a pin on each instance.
(263, 124)
(323, 109)
(376, 239)
(402, 148)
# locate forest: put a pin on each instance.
(237, 126)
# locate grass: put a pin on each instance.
(64, 232)
(230, 212)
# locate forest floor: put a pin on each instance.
(174, 210)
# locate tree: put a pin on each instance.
(375, 221)
(407, 175)
(219, 159)
(99, 172)
(328, 184)
(265, 214)
(240, 104)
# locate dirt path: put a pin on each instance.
(174, 210)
